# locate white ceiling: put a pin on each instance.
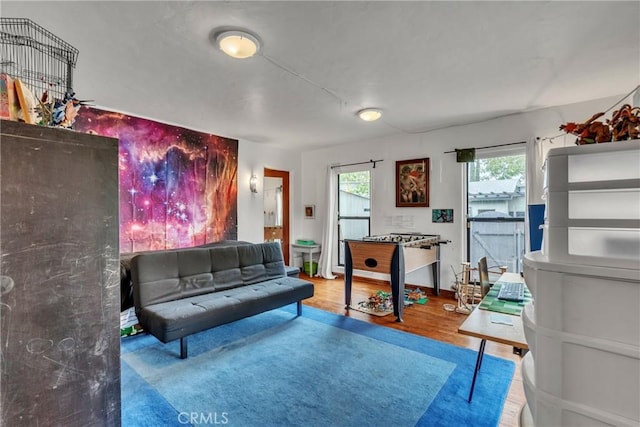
(427, 65)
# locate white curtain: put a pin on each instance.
(536, 155)
(329, 227)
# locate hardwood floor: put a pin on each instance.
(428, 320)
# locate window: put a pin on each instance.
(496, 204)
(354, 208)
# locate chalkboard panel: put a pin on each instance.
(59, 307)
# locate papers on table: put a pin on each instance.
(501, 319)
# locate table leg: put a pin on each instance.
(397, 282)
(436, 272)
(310, 263)
(478, 364)
(310, 266)
(348, 275)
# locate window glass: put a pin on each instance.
(354, 208)
(496, 205)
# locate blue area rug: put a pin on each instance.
(320, 369)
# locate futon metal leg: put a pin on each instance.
(478, 364)
(299, 304)
(183, 348)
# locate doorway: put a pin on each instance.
(496, 204)
(276, 209)
(354, 207)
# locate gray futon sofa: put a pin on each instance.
(181, 292)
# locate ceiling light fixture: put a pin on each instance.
(238, 44)
(370, 114)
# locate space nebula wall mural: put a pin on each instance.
(178, 187)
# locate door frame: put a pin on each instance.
(489, 154)
(284, 175)
(340, 237)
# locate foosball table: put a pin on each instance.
(396, 254)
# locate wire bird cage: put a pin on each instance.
(37, 57)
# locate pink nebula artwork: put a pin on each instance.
(178, 187)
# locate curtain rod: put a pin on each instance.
(490, 146)
(359, 163)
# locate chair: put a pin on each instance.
(467, 292)
(483, 272)
(470, 292)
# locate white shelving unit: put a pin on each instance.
(583, 327)
(593, 205)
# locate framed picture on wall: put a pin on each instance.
(442, 215)
(412, 183)
(309, 211)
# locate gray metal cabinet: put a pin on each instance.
(59, 299)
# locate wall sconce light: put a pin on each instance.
(253, 183)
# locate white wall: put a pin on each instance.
(446, 176)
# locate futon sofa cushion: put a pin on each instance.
(180, 292)
(171, 320)
(126, 286)
(170, 275)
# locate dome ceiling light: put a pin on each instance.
(238, 44)
(370, 114)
